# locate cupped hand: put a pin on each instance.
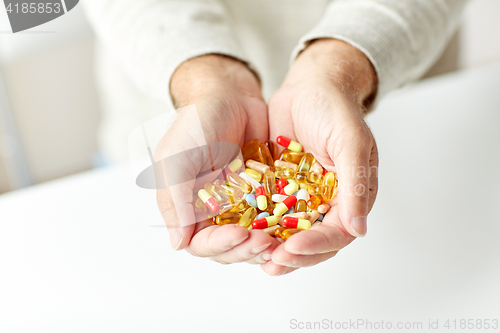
(321, 104)
(231, 109)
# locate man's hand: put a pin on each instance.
(231, 109)
(321, 104)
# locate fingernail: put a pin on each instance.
(175, 239)
(259, 249)
(238, 241)
(358, 226)
(266, 256)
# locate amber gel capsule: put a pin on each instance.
(250, 149)
(291, 156)
(227, 218)
(300, 206)
(248, 217)
(289, 233)
(208, 200)
(199, 206)
(235, 180)
(265, 156)
(314, 201)
(273, 149)
(216, 192)
(328, 187)
(306, 163)
(269, 183)
(290, 144)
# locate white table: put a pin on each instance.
(89, 253)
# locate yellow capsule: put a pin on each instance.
(300, 206)
(254, 174)
(314, 201)
(291, 180)
(239, 207)
(279, 231)
(291, 188)
(216, 192)
(315, 178)
(314, 189)
(265, 156)
(234, 193)
(269, 183)
(248, 217)
(303, 186)
(235, 180)
(199, 206)
(227, 218)
(273, 148)
(306, 163)
(316, 167)
(291, 156)
(289, 233)
(283, 172)
(250, 149)
(328, 192)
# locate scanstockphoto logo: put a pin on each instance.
(25, 15)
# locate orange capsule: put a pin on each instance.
(314, 201)
(294, 222)
(227, 218)
(300, 206)
(273, 148)
(250, 149)
(265, 156)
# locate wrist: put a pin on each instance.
(342, 65)
(210, 75)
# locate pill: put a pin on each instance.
(314, 189)
(260, 194)
(250, 180)
(287, 233)
(284, 172)
(270, 231)
(291, 180)
(199, 206)
(262, 215)
(323, 208)
(291, 156)
(285, 205)
(291, 188)
(306, 163)
(250, 198)
(293, 222)
(300, 215)
(314, 201)
(216, 192)
(208, 200)
(282, 182)
(269, 183)
(313, 216)
(250, 149)
(329, 182)
(301, 206)
(234, 166)
(254, 174)
(257, 166)
(303, 195)
(287, 143)
(315, 178)
(265, 222)
(279, 197)
(248, 217)
(235, 180)
(227, 218)
(317, 168)
(265, 156)
(284, 164)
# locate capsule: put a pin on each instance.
(250, 149)
(300, 206)
(270, 231)
(283, 172)
(254, 174)
(291, 156)
(283, 164)
(199, 206)
(314, 202)
(287, 233)
(265, 156)
(265, 222)
(323, 208)
(301, 177)
(227, 218)
(300, 215)
(316, 167)
(293, 222)
(314, 189)
(290, 144)
(248, 217)
(257, 166)
(282, 182)
(329, 182)
(313, 216)
(273, 149)
(250, 180)
(262, 215)
(269, 183)
(315, 178)
(250, 199)
(234, 166)
(260, 193)
(234, 193)
(302, 194)
(235, 180)
(216, 192)
(306, 163)
(208, 200)
(291, 189)
(285, 205)
(239, 207)
(277, 197)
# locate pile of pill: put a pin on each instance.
(281, 197)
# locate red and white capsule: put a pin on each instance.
(208, 200)
(266, 222)
(288, 143)
(260, 194)
(285, 205)
(294, 222)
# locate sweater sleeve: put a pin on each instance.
(402, 39)
(151, 38)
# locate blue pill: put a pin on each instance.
(250, 198)
(262, 215)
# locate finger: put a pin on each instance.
(351, 155)
(280, 121)
(276, 270)
(284, 258)
(256, 243)
(215, 240)
(323, 238)
(265, 255)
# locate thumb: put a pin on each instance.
(353, 166)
